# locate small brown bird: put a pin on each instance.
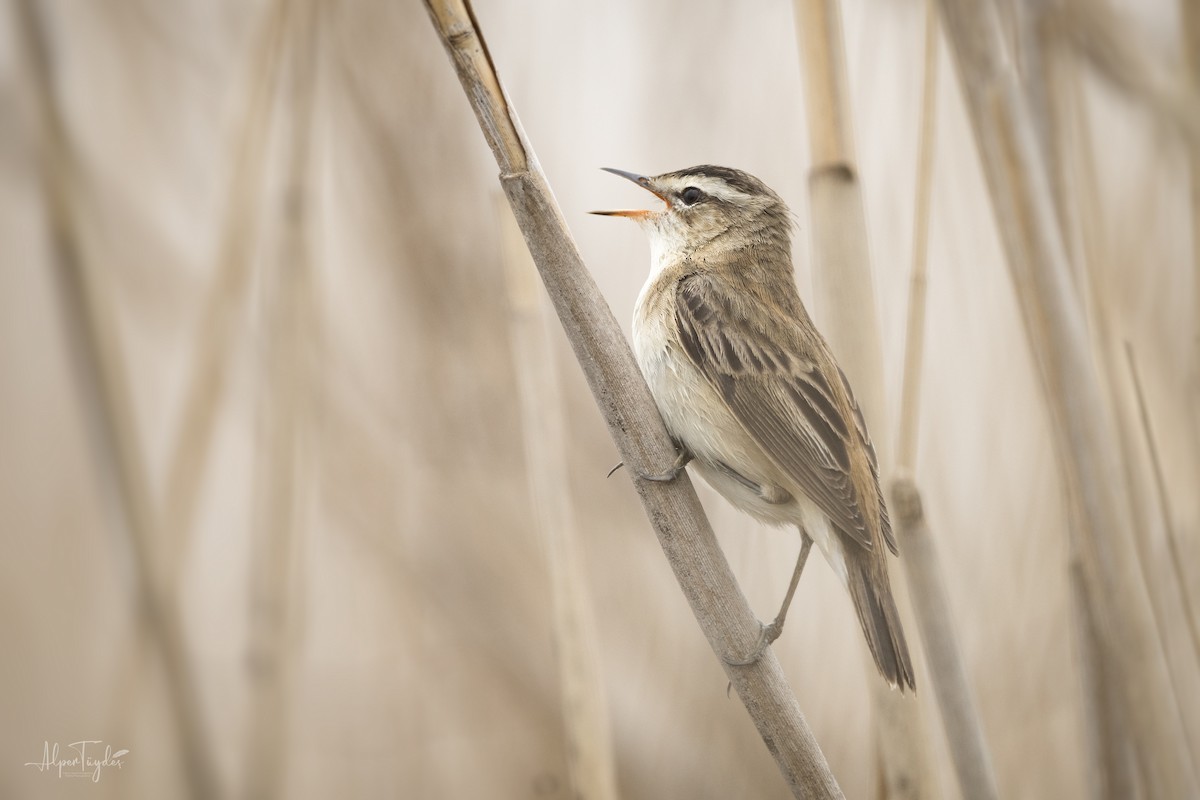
(751, 392)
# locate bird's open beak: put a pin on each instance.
(640, 180)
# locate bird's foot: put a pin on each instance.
(766, 635)
(681, 461)
(769, 633)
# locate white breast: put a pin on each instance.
(697, 417)
(695, 414)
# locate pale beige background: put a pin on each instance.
(419, 640)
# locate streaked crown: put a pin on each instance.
(710, 206)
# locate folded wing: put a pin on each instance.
(767, 376)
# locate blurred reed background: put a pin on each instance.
(285, 421)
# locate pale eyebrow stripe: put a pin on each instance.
(709, 185)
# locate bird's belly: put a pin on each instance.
(698, 418)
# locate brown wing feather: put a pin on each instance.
(860, 424)
(777, 392)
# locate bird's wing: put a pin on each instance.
(860, 424)
(776, 390)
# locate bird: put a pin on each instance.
(751, 393)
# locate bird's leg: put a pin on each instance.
(681, 461)
(775, 629)
(770, 633)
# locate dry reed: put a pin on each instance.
(1055, 325)
(590, 760)
(846, 309)
(632, 417)
(932, 609)
(283, 410)
(103, 381)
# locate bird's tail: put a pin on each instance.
(871, 591)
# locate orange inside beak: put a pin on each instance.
(631, 213)
(641, 181)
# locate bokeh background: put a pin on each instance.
(264, 476)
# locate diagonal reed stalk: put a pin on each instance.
(1184, 600)
(1094, 30)
(1110, 769)
(1168, 596)
(217, 335)
(218, 328)
(1107, 43)
(948, 674)
(1056, 327)
(1190, 12)
(632, 417)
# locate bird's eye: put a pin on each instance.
(691, 195)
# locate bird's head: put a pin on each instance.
(708, 204)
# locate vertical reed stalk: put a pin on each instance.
(914, 337)
(590, 762)
(1055, 325)
(948, 675)
(283, 401)
(845, 304)
(103, 382)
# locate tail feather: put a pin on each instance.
(872, 595)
